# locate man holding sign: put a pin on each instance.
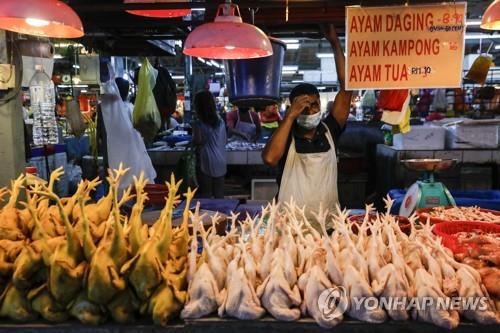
(303, 146)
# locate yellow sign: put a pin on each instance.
(402, 47)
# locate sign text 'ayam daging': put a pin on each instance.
(405, 46)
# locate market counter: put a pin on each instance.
(265, 325)
(169, 158)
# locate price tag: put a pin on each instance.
(399, 47)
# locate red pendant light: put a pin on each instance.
(491, 17)
(157, 13)
(45, 18)
(228, 38)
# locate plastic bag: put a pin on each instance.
(186, 170)
(479, 69)
(439, 101)
(146, 117)
(392, 100)
(75, 119)
(369, 100)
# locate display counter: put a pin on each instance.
(267, 325)
(170, 158)
(476, 168)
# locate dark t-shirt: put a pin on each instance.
(318, 144)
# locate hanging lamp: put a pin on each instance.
(45, 18)
(157, 13)
(491, 16)
(228, 37)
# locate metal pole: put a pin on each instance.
(188, 75)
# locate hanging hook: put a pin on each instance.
(252, 14)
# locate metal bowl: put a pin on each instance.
(429, 164)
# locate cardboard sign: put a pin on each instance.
(400, 47)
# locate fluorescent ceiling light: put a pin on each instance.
(290, 68)
(321, 88)
(178, 77)
(288, 72)
(58, 56)
(198, 9)
(482, 36)
(473, 22)
(290, 41)
(292, 46)
(74, 86)
(324, 55)
(216, 64)
(297, 81)
(76, 66)
(497, 47)
(201, 60)
(220, 73)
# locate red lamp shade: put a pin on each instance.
(228, 38)
(491, 17)
(46, 18)
(157, 13)
(161, 13)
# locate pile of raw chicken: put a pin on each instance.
(482, 251)
(71, 258)
(86, 260)
(284, 270)
(470, 214)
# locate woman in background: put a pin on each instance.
(209, 135)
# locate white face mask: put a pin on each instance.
(309, 121)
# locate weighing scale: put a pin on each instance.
(426, 193)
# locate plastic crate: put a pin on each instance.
(403, 222)
(447, 231)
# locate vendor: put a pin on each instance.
(245, 123)
(303, 146)
(270, 117)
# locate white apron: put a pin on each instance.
(310, 179)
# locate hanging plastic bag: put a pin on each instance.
(186, 169)
(369, 101)
(146, 117)
(396, 117)
(75, 119)
(479, 69)
(439, 101)
(392, 100)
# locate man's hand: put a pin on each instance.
(330, 32)
(298, 105)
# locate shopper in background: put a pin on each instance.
(270, 119)
(303, 146)
(209, 135)
(245, 123)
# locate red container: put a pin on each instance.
(157, 194)
(447, 231)
(422, 214)
(403, 222)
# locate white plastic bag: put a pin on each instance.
(125, 144)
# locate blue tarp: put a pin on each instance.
(487, 199)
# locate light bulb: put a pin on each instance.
(37, 22)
